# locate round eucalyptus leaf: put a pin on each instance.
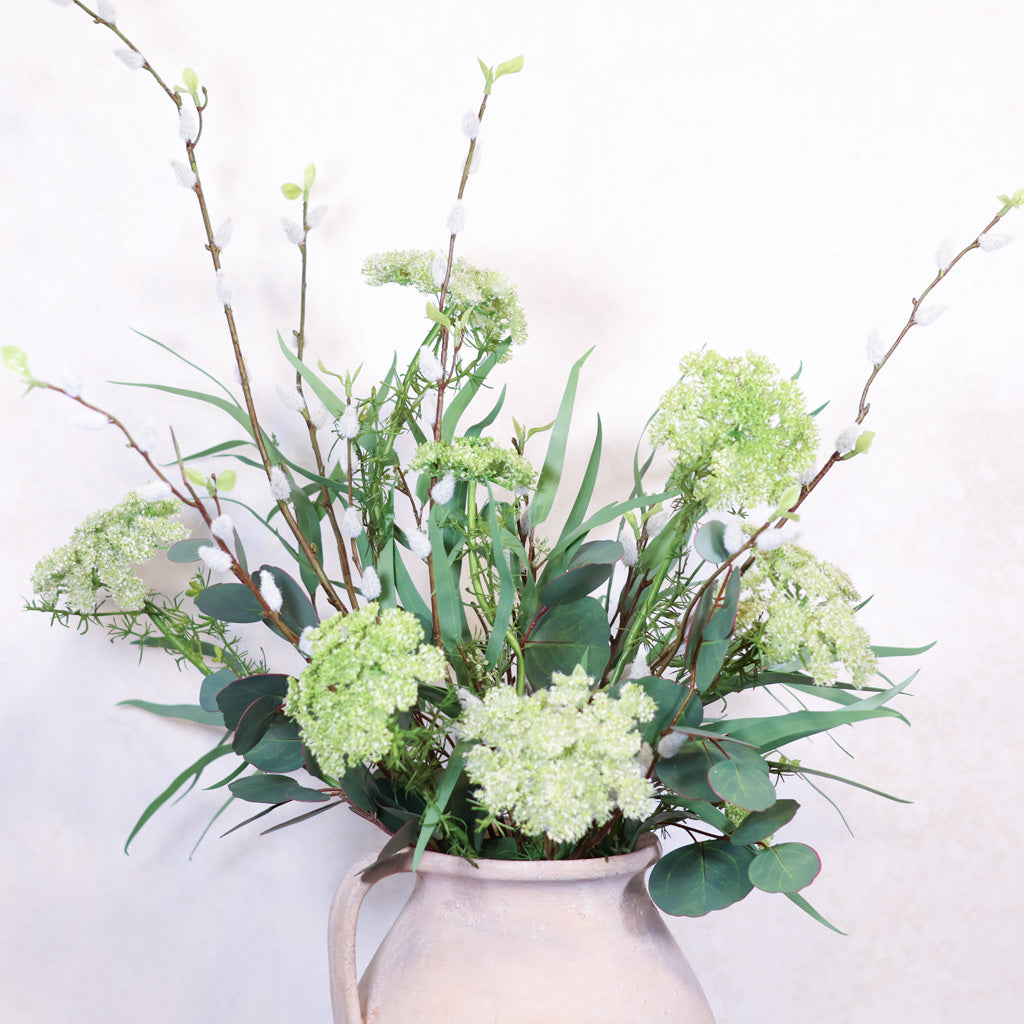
(761, 824)
(694, 880)
(742, 778)
(788, 867)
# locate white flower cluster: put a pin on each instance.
(562, 759)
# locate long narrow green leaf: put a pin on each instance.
(506, 591)
(477, 428)
(796, 898)
(452, 415)
(769, 733)
(901, 652)
(188, 362)
(193, 771)
(445, 788)
(447, 572)
(183, 712)
(551, 473)
(586, 491)
(238, 414)
(202, 835)
(803, 770)
(334, 404)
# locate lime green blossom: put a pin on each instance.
(805, 610)
(738, 433)
(489, 293)
(365, 668)
(474, 458)
(100, 558)
(562, 759)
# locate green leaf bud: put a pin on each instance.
(437, 316)
(508, 67)
(309, 176)
(16, 361)
(864, 440)
(191, 80)
(290, 190)
(226, 480)
(193, 476)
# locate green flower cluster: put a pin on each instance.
(100, 558)
(805, 610)
(489, 293)
(738, 433)
(366, 667)
(559, 760)
(474, 458)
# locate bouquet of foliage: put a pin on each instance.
(452, 664)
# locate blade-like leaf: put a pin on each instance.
(184, 712)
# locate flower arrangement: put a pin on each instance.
(450, 662)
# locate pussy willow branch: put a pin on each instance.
(214, 251)
(300, 345)
(190, 499)
(668, 652)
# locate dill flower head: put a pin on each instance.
(474, 458)
(490, 295)
(802, 608)
(562, 759)
(366, 667)
(100, 558)
(738, 433)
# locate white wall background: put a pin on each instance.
(660, 177)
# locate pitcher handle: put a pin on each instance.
(341, 930)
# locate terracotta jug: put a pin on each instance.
(514, 942)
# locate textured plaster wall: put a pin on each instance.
(662, 176)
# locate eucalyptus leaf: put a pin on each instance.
(761, 824)
(694, 880)
(280, 747)
(710, 542)
(788, 867)
(571, 634)
(229, 602)
(236, 697)
(742, 778)
(274, 789)
(211, 687)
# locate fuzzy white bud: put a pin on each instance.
(628, 542)
(646, 756)
(670, 744)
(147, 437)
(318, 414)
(444, 490)
(223, 289)
(62, 3)
(875, 348)
(439, 270)
(105, 11)
(351, 523)
(637, 668)
(658, 522)
(474, 163)
(222, 236)
(419, 544)
(370, 586)
(772, 539)
(188, 122)
(155, 490)
(806, 478)
(290, 398)
(279, 486)
(927, 313)
(186, 177)
(130, 58)
(457, 218)
(269, 591)
(347, 425)
(293, 231)
(223, 527)
(734, 538)
(305, 644)
(315, 216)
(430, 366)
(92, 421)
(944, 255)
(215, 559)
(69, 382)
(470, 124)
(989, 242)
(847, 439)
